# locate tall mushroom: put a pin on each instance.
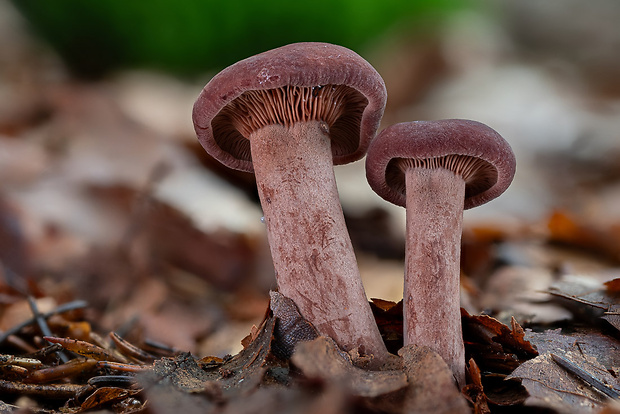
(290, 114)
(436, 169)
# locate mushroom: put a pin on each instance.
(288, 115)
(436, 169)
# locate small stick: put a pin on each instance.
(56, 391)
(120, 381)
(86, 349)
(69, 369)
(42, 323)
(66, 307)
(131, 350)
(585, 376)
(119, 366)
(574, 298)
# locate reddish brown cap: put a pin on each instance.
(446, 143)
(298, 65)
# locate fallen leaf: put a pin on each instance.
(294, 400)
(566, 229)
(389, 318)
(589, 299)
(613, 286)
(243, 373)
(474, 391)
(104, 396)
(384, 305)
(223, 258)
(603, 349)
(245, 342)
(182, 372)
(519, 291)
(291, 328)
(431, 384)
(177, 385)
(551, 386)
(321, 359)
(494, 346)
(613, 407)
(613, 316)
(578, 367)
(503, 392)
(582, 295)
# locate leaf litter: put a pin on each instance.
(111, 287)
(283, 364)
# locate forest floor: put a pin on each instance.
(135, 273)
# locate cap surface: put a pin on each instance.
(420, 140)
(302, 65)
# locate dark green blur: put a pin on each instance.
(187, 37)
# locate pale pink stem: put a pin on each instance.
(312, 253)
(432, 314)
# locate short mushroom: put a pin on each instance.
(436, 169)
(288, 115)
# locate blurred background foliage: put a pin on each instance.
(188, 37)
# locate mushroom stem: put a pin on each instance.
(431, 300)
(312, 253)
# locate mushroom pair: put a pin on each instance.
(289, 115)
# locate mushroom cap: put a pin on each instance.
(299, 65)
(421, 140)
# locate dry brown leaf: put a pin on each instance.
(588, 299)
(613, 407)
(518, 291)
(212, 380)
(321, 359)
(581, 294)
(291, 328)
(389, 318)
(553, 387)
(479, 245)
(431, 384)
(246, 341)
(294, 400)
(175, 386)
(474, 391)
(613, 286)
(384, 305)
(105, 396)
(583, 341)
(613, 316)
(495, 346)
(223, 258)
(566, 229)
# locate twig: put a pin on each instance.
(56, 391)
(42, 323)
(120, 381)
(66, 307)
(131, 350)
(585, 376)
(575, 299)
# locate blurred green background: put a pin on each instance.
(186, 37)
